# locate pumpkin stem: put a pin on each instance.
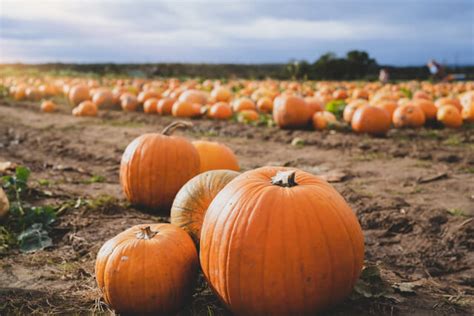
(168, 130)
(285, 179)
(146, 233)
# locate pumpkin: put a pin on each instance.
(165, 105)
(19, 93)
(103, 98)
(4, 204)
(451, 101)
(322, 119)
(420, 94)
(32, 94)
(350, 109)
(150, 106)
(48, 106)
(214, 156)
(408, 115)
(389, 106)
(85, 108)
(360, 94)
(221, 94)
(428, 107)
(314, 105)
(242, 104)
(128, 102)
(47, 90)
(191, 202)
(247, 116)
(340, 94)
(280, 241)
(145, 95)
(220, 111)
(265, 105)
(449, 116)
(193, 96)
(78, 94)
(291, 112)
(371, 120)
(155, 166)
(147, 269)
(468, 112)
(186, 109)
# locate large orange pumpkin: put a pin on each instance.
(408, 115)
(155, 166)
(291, 112)
(191, 202)
(280, 241)
(449, 116)
(78, 93)
(214, 156)
(371, 120)
(147, 269)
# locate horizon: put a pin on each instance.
(395, 33)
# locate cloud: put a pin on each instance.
(400, 32)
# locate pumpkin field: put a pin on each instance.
(249, 197)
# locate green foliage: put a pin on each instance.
(27, 226)
(406, 92)
(336, 107)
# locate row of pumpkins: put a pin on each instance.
(272, 240)
(371, 109)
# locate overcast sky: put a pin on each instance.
(401, 32)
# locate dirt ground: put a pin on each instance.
(413, 192)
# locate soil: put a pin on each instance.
(413, 192)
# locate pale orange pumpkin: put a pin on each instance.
(78, 94)
(291, 112)
(468, 112)
(214, 156)
(389, 106)
(4, 204)
(246, 116)
(193, 199)
(242, 104)
(322, 119)
(265, 105)
(103, 98)
(128, 102)
(221, 94)
(428, 108)
(193, 96)
(314, 105)
(155, 166)
(449, 116)
(449, 101)
(350, 109)
(145, 95)
(147, 269)
(280, 241)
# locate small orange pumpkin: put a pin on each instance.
(214, 156)
(265, 105)
(246, 116)
(221, 94)
(451, 101)
(155, 166)
(371, 120)
(145, 95)
(186, 109)
(48, 106)
(428, 108)
(220, 111)
(291, 112)
(408, 115)
(350, 109)
(242, 104)
(165, 106)
(150, 106)
(85, 108)
(193, 96)
(322, 119)
(449, 116)
(274, 240)
(128, 102)
(147, 269)
(468, 112)
(191, 202)
(103, 98)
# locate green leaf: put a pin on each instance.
(22, 173)
(44, 215)
(34, 238)
(336, 107)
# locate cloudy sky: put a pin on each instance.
(399, 32)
